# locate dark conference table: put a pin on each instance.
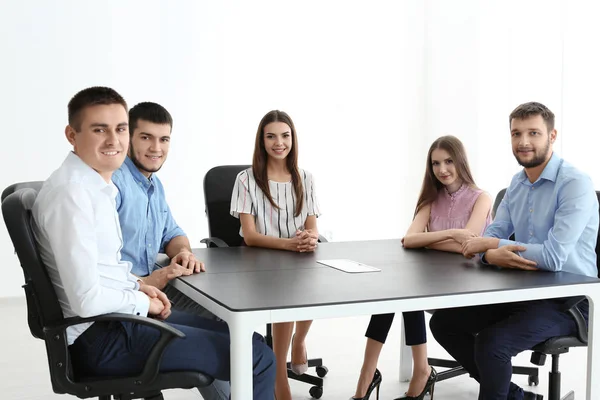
(249, 287)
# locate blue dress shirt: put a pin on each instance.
(555, 218)
(146, 220)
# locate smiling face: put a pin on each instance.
(444, 168)
(102, 139)
(277, 140)
(531, 141)
(149, 146)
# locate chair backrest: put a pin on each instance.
(500, 196)
(497, 202)
(43, 307)
(36, 185)
(218, 186)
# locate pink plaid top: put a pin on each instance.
(452, 211)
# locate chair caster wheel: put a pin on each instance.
(533, 380)
(316, 392)
(322, 371)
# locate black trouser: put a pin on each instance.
(414, 327)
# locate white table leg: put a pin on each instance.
(593, 368)
(241, 332)
(405, 355)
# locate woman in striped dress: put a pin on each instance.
(278, 209)
(450, 210)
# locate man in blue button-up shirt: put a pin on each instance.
(552, 210)
(146, 221)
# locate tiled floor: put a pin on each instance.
(24, 371)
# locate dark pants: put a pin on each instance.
(414, 327)
(183, 303)
(483, 339)
(218, 389)
(116, 348)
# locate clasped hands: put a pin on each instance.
(304, 241)
(504, 256)
(160, 305)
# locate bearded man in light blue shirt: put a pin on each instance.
(146, 220)
(551, 208)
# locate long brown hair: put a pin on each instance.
(431, 185)
(259, 160)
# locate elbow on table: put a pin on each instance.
(408, 243)
(552, 263)
(250, 240)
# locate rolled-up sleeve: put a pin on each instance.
(171, 230)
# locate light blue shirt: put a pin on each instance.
(555, 218)
(146, 220)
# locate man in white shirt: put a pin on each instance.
(79, 237)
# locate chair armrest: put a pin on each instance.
(214, 240)
(54, 334)
(322, 239)
(570, 306)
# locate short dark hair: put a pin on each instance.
(92, 96)
(150, 112)
(532, 109)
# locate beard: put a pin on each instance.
(139, 164)
(538, 159)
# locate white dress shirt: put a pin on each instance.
(79, 237)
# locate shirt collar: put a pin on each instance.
(550, 172)
(137, 175)
(91, 176)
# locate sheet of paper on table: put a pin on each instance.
(348, 266)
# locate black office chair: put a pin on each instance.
(224, 232)
(561, 344)
(46, 322)
(455, 369)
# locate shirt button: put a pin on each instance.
(138, 313)
(530, 233)
(149, 245)
(531, 210)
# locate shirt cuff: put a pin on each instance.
(142, 304)
(504, 242)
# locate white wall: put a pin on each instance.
(349, 74)
(484, 59)
(369, 84)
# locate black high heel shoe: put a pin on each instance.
(429, 386)
(377, 378)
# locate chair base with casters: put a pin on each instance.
(455, 369)
(46, 322)
(224, 232)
